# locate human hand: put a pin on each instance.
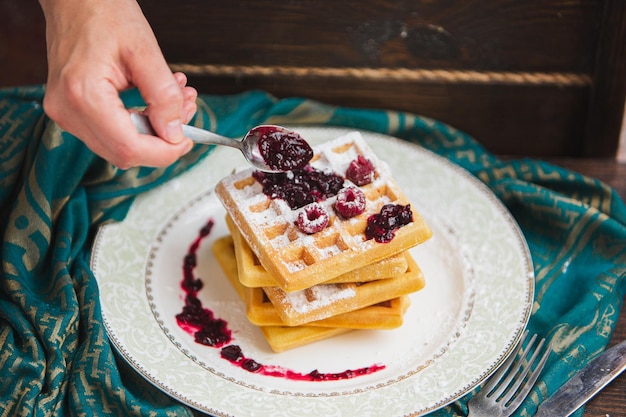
(97, 49)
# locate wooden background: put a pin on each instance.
(540, 78)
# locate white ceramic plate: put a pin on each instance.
(458, 330)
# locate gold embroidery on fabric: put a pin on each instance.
(53, 136)
(580, 233)
(205, 112)
(393, 121)
(35, 191)
(566, 336)
(606, 322)
(30, 227)
(307, 112)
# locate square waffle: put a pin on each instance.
(282, 338)
(261, 312)
(252, 273)
(326, 300)
(297, 260)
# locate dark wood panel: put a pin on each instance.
(583, 38)
(511, 35)
(22, 43)
(548, 120)
(606, 108)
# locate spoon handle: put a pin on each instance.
(142, 123)
(209, 138)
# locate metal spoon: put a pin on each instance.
(249, 145)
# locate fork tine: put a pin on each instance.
(507, 388)
(519, 379)
(494, 381)
(530, 382)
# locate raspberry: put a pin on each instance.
(350, 202)
(360, 171)
(312, 219)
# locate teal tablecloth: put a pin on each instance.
(55, 358)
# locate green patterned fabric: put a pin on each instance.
(55, 358)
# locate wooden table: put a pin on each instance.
(610, 402)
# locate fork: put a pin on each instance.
(509, 386)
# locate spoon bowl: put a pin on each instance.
(268, 148)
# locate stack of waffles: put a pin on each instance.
(303, 286)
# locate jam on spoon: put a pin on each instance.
(282, 150)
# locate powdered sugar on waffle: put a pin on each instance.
(324, 295)
(249, 198)
(298, 260)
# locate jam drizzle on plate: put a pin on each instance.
(208, 330)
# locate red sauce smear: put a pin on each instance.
(208, 330)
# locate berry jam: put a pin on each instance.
(300, 187)
(283, 151)
(382, 226)
(234, 355)
(195, 319)
(210, 331)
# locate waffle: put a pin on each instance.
(327, 300)
(261, 312)
(382, 316)
(282, 338)
(297, 260)
(252, 274)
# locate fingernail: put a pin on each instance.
(174, 131)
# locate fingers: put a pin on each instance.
(97, 116)
(189, 97)
(112, 135)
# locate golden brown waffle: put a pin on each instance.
(252, 273)
(282, 338)
(279, 338)
(327, 300)
(297, 260)
(261, 312)
(382, 316)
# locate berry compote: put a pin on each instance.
(283, 151)
(195, 319)
(382, 226)
(211, 331)
(300, 187)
